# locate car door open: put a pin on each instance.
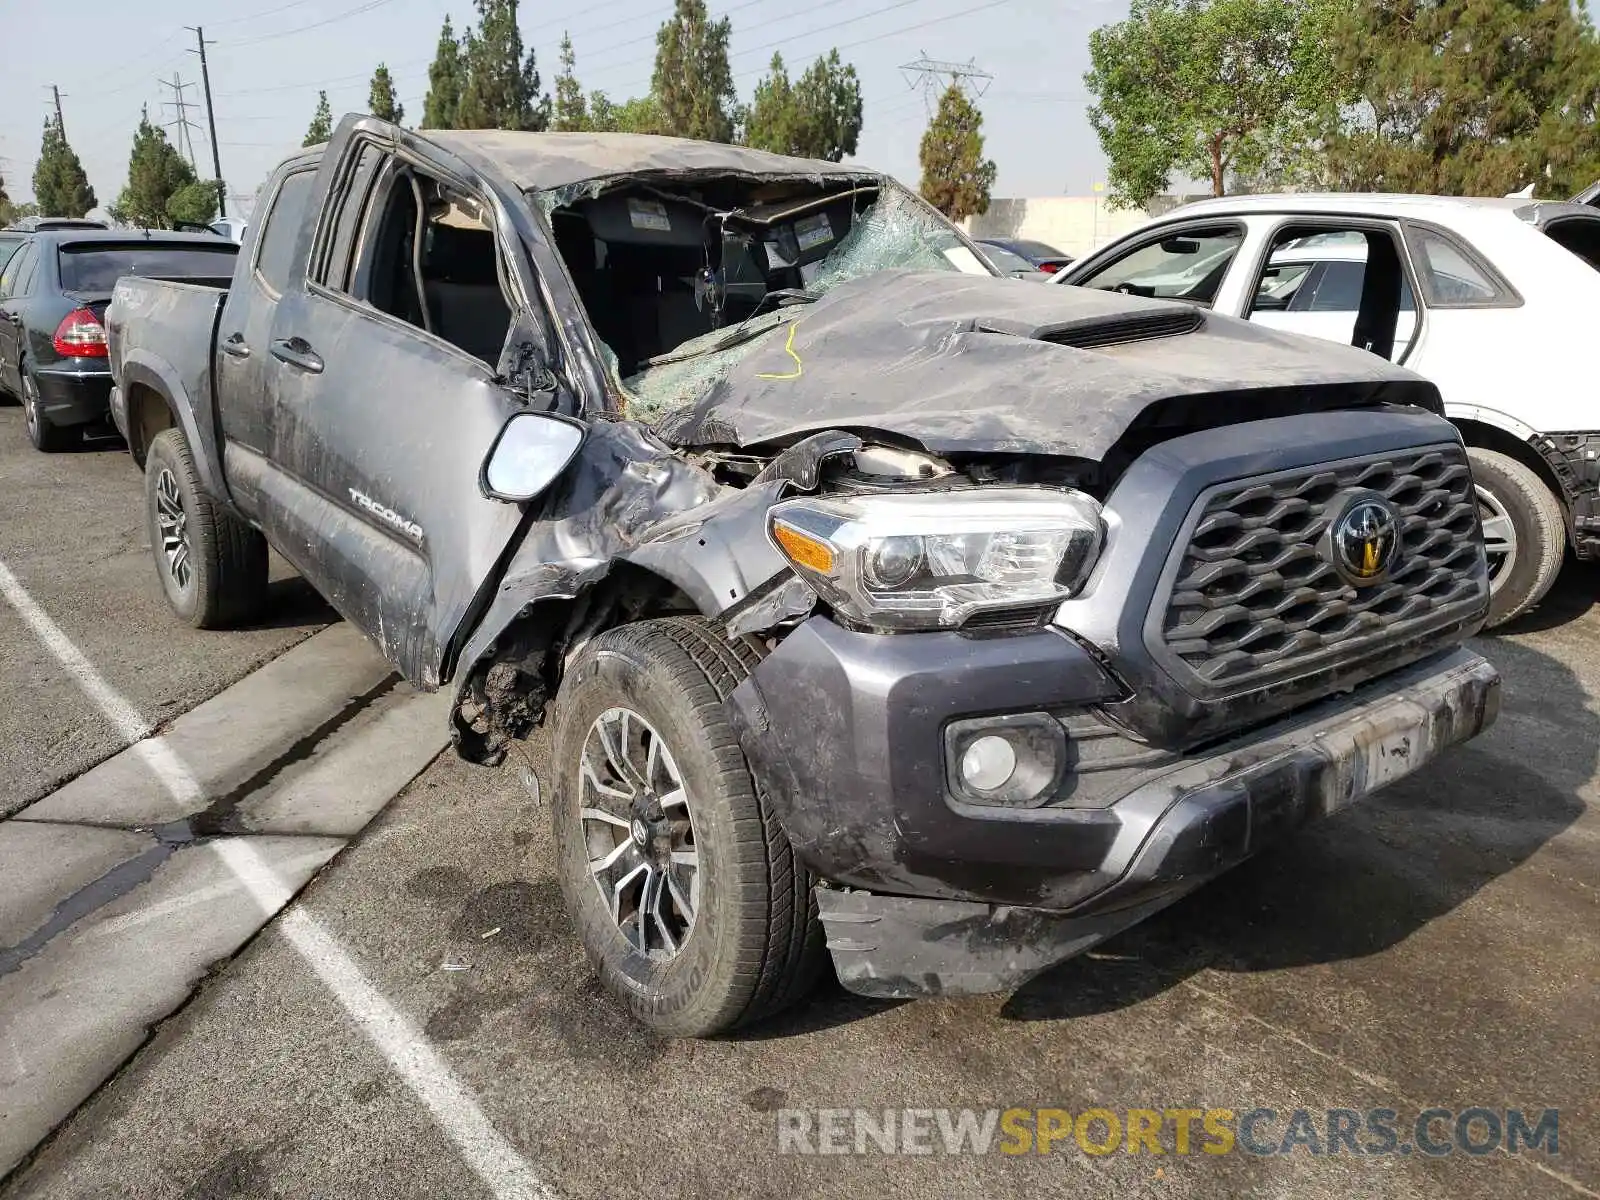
(1346, 283)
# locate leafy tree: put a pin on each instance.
(1209, 88)
(195, 202)
(156, 172)
(571, 109)
(60, 187)
(693, 83)
(956, 178)
(817, 117)
(445, 79)
(381, 100)
(1475, 97)
(321, 123)
(6, 207)
(772, 122)
(502, 84)
(639, 115)
(829, 98)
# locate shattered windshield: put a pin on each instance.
(895, 233)
(657, 371)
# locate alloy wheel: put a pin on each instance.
(173, 524)
(1499, 534)
(30, 407)
(639, 831)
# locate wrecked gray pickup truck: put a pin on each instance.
(878, 604)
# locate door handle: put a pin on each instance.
(297, 352)
(233, 346)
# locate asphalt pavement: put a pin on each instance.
(72, 530)
(1432, 946)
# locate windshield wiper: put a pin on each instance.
(734, 334)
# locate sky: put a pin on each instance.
(269, 58)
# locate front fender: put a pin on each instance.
(716, 553)
(1504, 422)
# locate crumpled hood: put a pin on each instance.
(973, 364)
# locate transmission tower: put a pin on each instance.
(931, 77)
(180, 104)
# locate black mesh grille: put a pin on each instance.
(1254, 598)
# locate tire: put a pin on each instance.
(754, 945)
(49, 438)
(223, 577)
(1521, 514)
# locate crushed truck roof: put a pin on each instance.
(537, 162)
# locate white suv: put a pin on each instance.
(1491, 299)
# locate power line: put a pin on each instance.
(888, 33)
(651, 36)
(271, 12)
(781, 41)
(283, 33)
(100, 90)
(326, 84)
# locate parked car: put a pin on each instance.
(1006, 263)
(1042, 255)
(53, 296)
(10, 242)
(231, 228)
(37, 224)
(1489, 298)
(867, 594)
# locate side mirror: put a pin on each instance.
(531, 452)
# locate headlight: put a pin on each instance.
(926, 560)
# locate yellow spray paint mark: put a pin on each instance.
(788, 348)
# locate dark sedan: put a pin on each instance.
(10, 242)
(53, 295)
(1042, 255)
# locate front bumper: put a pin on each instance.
(954, 897)
(72, 394)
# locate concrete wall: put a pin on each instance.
(1074, 225)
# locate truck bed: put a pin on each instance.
(162, 333)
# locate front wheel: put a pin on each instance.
(1524, 532)
(212, 566)
(686, 895)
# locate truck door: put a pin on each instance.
(246, 374)
(387, 401)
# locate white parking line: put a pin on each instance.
(490, 1156)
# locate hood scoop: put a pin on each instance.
(1098, 332)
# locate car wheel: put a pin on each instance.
(45, 436)
(1524, 532)
(213, 567)
(686, 894)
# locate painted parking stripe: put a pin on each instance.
(483, 1148)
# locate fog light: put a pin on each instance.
(988, 764)
(1013, 761)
